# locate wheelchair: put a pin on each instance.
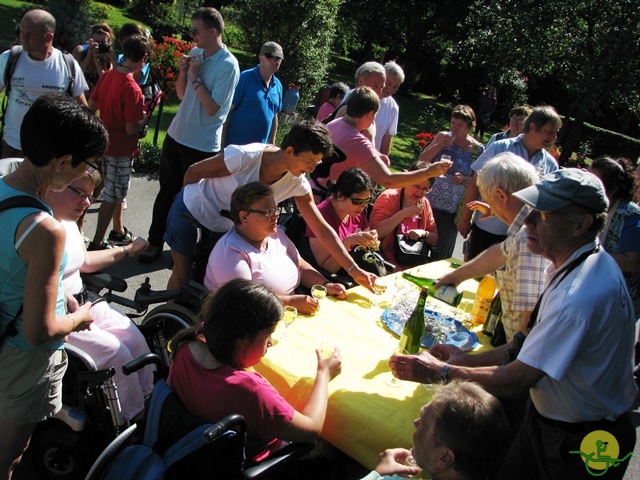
(177, 444)
(65, 446)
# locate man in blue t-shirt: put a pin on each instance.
(256, 101)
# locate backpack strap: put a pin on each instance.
(70, 62)
(10, 67)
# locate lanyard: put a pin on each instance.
(562, 273)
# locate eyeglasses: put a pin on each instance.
(359, 201)
(272, 212)
(81, 194)
(195, 31)
(424, 189)
(311, 164)
(91, 164)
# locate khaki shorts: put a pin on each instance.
(30, 384)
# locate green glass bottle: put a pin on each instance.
(447, 293)
(414, 327)
(495, 314)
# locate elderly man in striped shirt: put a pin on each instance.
(520, 273)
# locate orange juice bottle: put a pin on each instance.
(484, 297)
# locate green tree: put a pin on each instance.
(72, 22)
(304, 28)
(590, 47)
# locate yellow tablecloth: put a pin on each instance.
(364, 415)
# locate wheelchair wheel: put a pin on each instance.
(164, 322)
(56, 455)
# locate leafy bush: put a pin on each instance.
(233, 36)
(100, 11)
(161, 16)
(164, 62)
(304, 28)
(148, 160)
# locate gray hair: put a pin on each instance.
(506, 171)
(367, 69)
(392, 68)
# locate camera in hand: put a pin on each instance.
(104, 47)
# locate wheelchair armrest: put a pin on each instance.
(276, 460)
(99, 281)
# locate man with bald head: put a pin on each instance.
(40, 69)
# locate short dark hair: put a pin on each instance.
(210, 17)
(239, 309)
(617, 175)
(352, 180)
(245, 196)
(338, 90)
(57, 125)
(464, 113)
(540, 116)
(129, 29)
(472, 423)
(362, 101)
(135, 47)
(520, 110)
(309, 136)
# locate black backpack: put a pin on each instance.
(12, 61)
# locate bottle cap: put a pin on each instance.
(425, 289)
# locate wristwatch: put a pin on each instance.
(197, 80)
(444, 372)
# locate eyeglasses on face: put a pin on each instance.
(311, 163)
(424, 189)
(91, 164)
(272, 212)
(359, 201)
(81, 194)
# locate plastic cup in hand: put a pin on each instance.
(326, 348)
(289, 316)
(318, 292)
(380, 287)
(393, 381)
(446, 159)
(410, 462)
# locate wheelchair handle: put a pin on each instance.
(142, 361)
(145, 296)
(227, 423)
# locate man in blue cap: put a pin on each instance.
(576, 361)
(256, 101)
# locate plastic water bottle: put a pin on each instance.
(290, 99)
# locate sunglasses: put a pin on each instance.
(359, 201)
(81, 194)
(195, 31)
(272, 212)
(271, 56)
